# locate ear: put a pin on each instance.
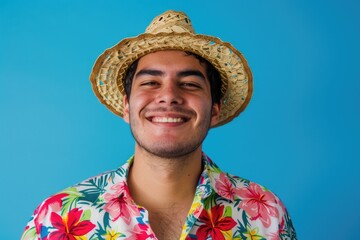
(215, 114)
(126, 110)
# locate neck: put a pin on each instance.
(156, 182)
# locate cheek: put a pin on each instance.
(138, 102)
(203, 108)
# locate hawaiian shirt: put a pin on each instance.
(224, 207)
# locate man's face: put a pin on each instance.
(170, 109)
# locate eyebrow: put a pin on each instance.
(151, 72)
(187, 73)
(181, 74)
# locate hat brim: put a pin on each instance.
(111, 66)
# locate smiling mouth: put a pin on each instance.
(168, 119)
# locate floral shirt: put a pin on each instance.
(224, 207)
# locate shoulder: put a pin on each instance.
(254, 204)
(228, 185)
(80, 201)
(251, 205)
(88, 191)
(234, 188)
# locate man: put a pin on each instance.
(171, 85)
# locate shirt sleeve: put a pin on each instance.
(30, 232)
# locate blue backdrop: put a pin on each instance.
(299, 136)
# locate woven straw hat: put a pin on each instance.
(173, 31)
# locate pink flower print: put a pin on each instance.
(259, 204)
(141, 231)
(224, 187)
(118, 204)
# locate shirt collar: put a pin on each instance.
(118, 187)
(207, 184)
(213, 179)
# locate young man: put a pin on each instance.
(171, 85)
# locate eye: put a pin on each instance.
(190, 85)
(149, 83)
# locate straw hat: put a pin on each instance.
(173, 31)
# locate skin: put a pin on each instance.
(170, 112)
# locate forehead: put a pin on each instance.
(173, 59)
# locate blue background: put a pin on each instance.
(299, 136)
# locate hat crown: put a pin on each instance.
(170, 22)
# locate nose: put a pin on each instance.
(170, 94)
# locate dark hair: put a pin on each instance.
(212, 74)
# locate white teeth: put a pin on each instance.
(165, 119)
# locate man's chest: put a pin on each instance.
(167, 225)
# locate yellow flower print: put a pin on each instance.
(251, 234)
(112, 234)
